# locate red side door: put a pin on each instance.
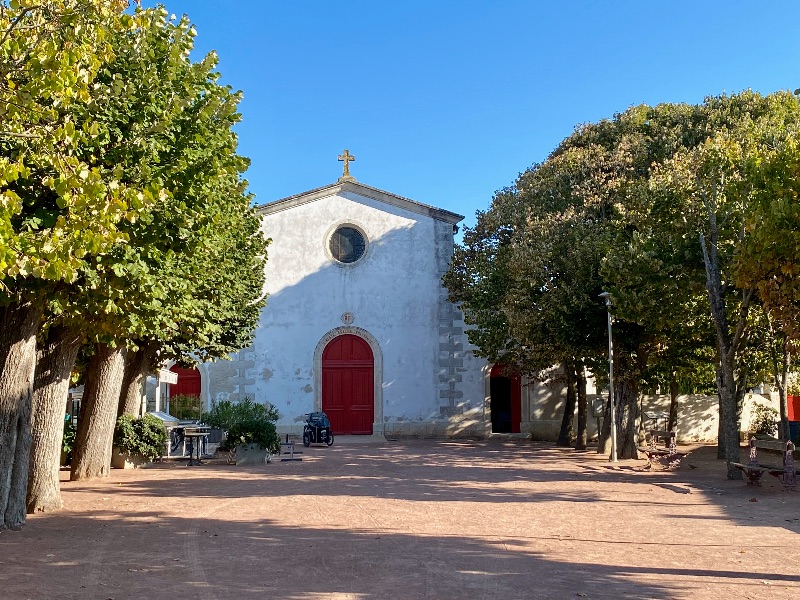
(188, 382)
(505, 391)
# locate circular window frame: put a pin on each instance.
(337, 227)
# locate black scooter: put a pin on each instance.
(317, 430)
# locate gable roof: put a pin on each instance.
(362, 190)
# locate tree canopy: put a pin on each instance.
(662, 207)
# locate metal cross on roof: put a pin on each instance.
(346, 158)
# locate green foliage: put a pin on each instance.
(144, 436)
(189, 280)
(55, 206)
(181, 265)
(769, 259)
(186, 408)
(68, 441)
(246, 422)
(764, 420)
(681, 212)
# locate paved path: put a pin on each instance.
(408, 520)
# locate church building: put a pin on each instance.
(358, 325)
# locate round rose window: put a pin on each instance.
(347, 244)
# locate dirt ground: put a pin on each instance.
(412, 519)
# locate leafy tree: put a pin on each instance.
(695, 206)
(661, 195)
(54, 209)
(685, 228)
(768, 260)
(189, 278)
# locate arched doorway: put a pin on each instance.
(505, 392)
(348, 385)
(188, 382)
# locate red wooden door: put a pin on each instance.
(794, 407)
(347, 385)
(188, 382)
(505, 392)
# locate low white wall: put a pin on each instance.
(698, 415)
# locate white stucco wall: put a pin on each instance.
(698, 415)
(394, 293)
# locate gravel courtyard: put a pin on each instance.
(412, 519)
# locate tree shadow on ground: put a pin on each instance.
(404, 474)
(149, 555)
(458, 471)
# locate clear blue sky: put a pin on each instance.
(445, 102)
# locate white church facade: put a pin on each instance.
(357, 323)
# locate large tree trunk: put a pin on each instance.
(54, 365)
(137, 365)
(627, 399)
(604, 435)
(19, 324)
(673, 405)
(95, 435)
(565, 435)
(730, 410)
(731, 342)
(583, 406)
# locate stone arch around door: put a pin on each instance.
(377, 384)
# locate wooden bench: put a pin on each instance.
(753, 470)
(787, 474)
(666, 455)
(776, 445)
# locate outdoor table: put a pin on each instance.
(196, 437)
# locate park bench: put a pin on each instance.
(754, 469)
(666, 455)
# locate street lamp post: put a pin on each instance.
(607, 297)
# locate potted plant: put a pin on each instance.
(249, 427)
(186, 408)
(138, 441)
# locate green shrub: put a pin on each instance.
(186, 408)
(246, 422)
(68, 440)
(144, 436)
(764, 420)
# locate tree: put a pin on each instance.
(189, 279)
(54, 364)
(667, 192)
(768, 260)
(49, 221)
(687, 228)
